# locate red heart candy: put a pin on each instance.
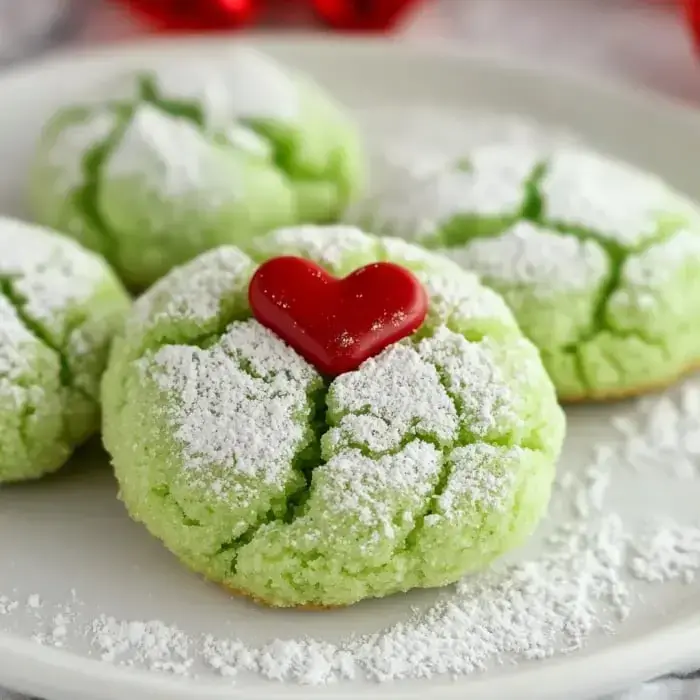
(336, 324)
(692, 8)
(177, 15)
(362, 15)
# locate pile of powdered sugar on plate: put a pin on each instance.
(577, 586)
(662, 433)
(584, 580)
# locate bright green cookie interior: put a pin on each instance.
(430, 460)
(176, 161)
(59, 308)
(599, 262)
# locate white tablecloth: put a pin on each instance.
(642, 41)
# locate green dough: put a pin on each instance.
(599, 262)
(170, 163)
(427, 462)
(60, 306)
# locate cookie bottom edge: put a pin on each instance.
(631, 392)
(309, 607)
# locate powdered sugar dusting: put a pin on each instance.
(67, 149)
(527, 611)
(667, 551)
(388, 399)
(50, 273)
(655, 266)
(174, 161)
(488, 400)
(554, 602)
(458, 298)
(330, 246)
(491, 183)
(152, 644)
(482, 473)
(196, 291)
(245, 85)
(662, 434)
(584, 189)
(368, 494)
(536, 608)
(545, 261)
(15, 358)
(425, 138)
(231, 421)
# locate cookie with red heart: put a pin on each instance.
(334, 417)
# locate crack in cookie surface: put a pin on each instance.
(67, 373)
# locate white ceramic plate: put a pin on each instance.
(67, 547)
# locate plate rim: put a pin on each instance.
(663, 650)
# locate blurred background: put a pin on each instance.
(649, 42)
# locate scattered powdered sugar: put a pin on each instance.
(174, 162)
(667, 551)
(153, 644)
(528, 611)
(662, 434)
(7, 605)
(545, 261)
(588, 190)
(554, 603)
(234, 421)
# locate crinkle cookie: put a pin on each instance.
(430, 460)
(59, 308)
(599, 262)
(179, 160)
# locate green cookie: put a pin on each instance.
(59, 308)
(182, 159)
(599, 262)
(430, 460)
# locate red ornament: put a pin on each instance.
(336, 324)
(362, 15)
(692, 8)
(196, 15)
